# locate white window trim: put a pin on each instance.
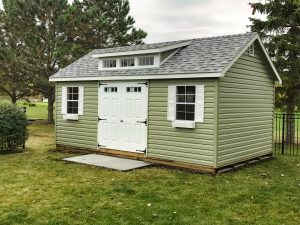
(64, 93)
(184, 123)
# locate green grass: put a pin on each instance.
(37, 188)
(35, 112)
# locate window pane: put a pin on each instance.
(180, 115)
(107, 63)
(72, 107)
(133, 89)
(180, 108)
(180, 89)
(127, 62)
(69, 97)
(69, 90)
(190, 108)
(75, 96)
(190, 89)
(75, 90)
(190, 98)
(180, 98)
(190, 116)
(146, 61)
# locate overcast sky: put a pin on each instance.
(166, 20)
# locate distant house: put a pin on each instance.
(203, 103)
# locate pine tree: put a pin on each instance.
(102, 24)
(14, 79)
(281, 34)
(55, 33)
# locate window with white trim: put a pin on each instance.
(127, 62)
(185, 102)
(72, 100)
(146, 61)
(185, 105)
(109, 63)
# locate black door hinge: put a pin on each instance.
(144, 151)
(145, 83)
(145, 122)
(100, 145)
(101, 84)
(99, 119)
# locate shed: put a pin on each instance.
(203, 103)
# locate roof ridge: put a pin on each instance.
(178, 41)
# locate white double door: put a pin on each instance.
(123, 116)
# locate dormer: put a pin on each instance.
(138, 57)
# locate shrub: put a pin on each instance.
(13, 131)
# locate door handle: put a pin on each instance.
(121, 121)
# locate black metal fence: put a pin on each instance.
(286, 133)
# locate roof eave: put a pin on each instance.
(138, 77)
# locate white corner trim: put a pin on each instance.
(138, 52)
(139, 77)
(70, 117)
(183, 124)
(256, 37)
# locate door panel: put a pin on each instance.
(123, 110)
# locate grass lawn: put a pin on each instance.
(37, 188)
(35, 112)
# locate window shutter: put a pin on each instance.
(171, 102)
(64, 100)
(199, 109)
(80, 102)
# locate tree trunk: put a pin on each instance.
(13, 97)
(51, 100)
(290, 123)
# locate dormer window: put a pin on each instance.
(127, 62)
(146, 61)
(109, 63)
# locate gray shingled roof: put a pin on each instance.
(203, 55)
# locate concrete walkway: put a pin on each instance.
(108, 162)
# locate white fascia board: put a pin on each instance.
(141, 52)
(140, 77)
(256, 37)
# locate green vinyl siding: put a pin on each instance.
(81, 133)
(195, 146)
(245, 111)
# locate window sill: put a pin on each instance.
(70, 117)
(183, 124)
